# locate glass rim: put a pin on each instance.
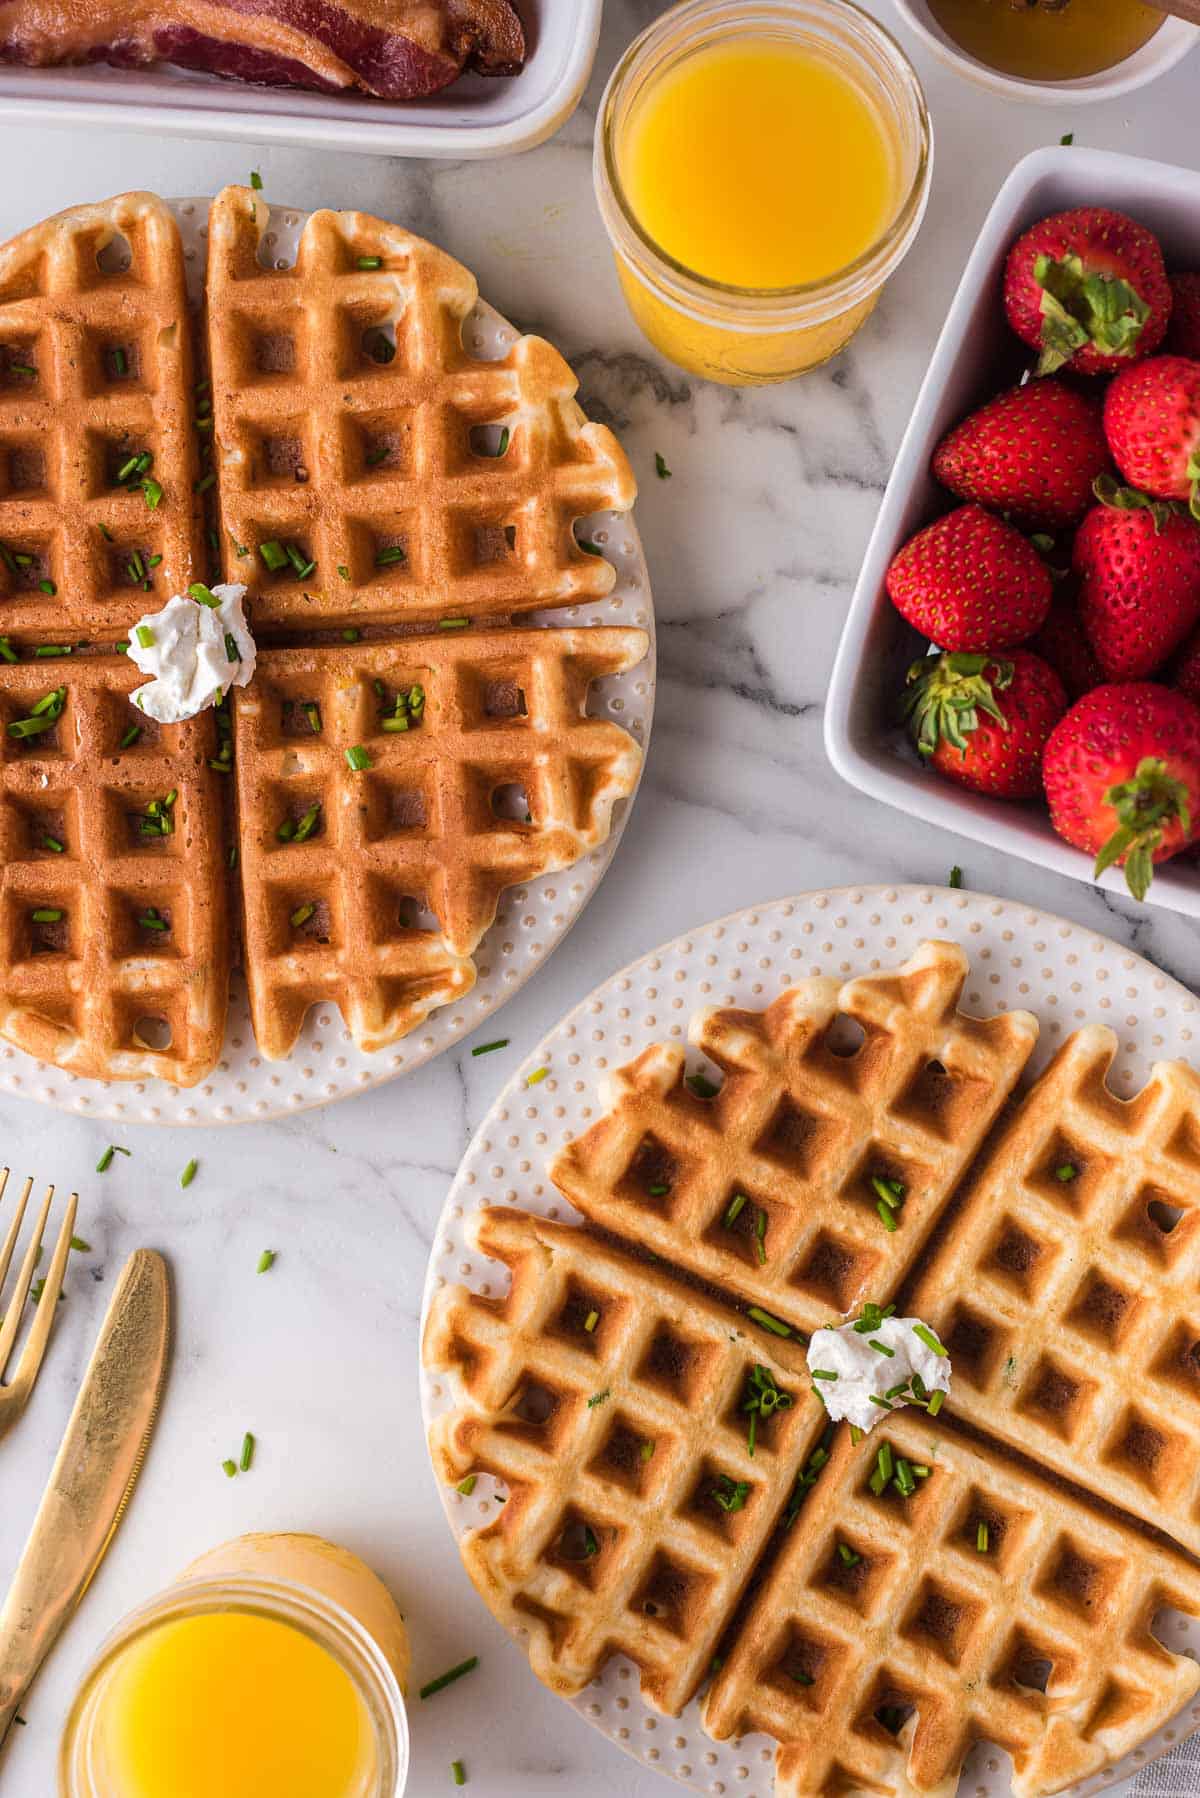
(322, 1619)
(878, 258)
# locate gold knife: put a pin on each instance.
(92, 1478)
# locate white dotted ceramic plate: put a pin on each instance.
(1063, 973)
(531, 921)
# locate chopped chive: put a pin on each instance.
(53, 845)
(392, 552)
(760, 1233)
(598, 1398)
(122, 647)
(458, 1772)
(22, 559)
(537, 1076)
(847, 1555)
(47, 586)
(7, 652)
(145, 636)
(453, 624)
(307, 824)
(658, 1191)
(350, 635)
(266, 1261)
(203, 595)
(343, 571)
(881, 1348)
(21, 368)
(1068, 137)
(370, 262)
(313, 714)
(895, 1391)
(105, 1161)
(233, 856)
(647, 1449)
(822, 1373)
(274, 555)
(378, 453)
(701, 1086)
(189, 1173)
(736, 1206)
(904, 1479)
(105, 532)
(48, 914)
(1066, 1171)
(660, 467)
(589, 548)
(256, 180)
(890, 1192)
(302, 914)
(981, 1538)
(856, 1434)
(205, 482)
(936, 1401)
(501, 1042)
(886, 1216)
(247, 1452)
(883, 1403)
(229, 1468)
(955, 879)
(151, 921)
(358, 758)
(152, 493)
(447, 1679)
(80, 1246)
(924, 1334)
(774, 1324)
(467, 1486)
(590, 1321)
(118, 359)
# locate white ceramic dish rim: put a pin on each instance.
(479, 116)
(325, 1066)
(883, 772)
(1169, 45)
(544, 1114)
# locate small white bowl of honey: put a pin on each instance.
(1052, 51)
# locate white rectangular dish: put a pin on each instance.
(477, 116)
(862, 738)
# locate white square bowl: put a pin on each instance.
(477, 116)
(973, 358)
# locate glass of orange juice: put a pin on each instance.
(274, 1668)
(761, 169)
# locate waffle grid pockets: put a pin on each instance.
(884, 1634)
(421, 492)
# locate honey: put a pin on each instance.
(1047, 42)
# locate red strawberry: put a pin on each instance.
(1185, 669)
(1087, 287)
(984, 720)
(1062, 642)
(970, 581)
(1032, 453)
(1183, 336)
(1152, 421)
(1122, 775)
(1138, 564)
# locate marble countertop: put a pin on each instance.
(753, 546)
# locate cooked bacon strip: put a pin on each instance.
(392, 49)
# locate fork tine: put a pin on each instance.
(16, 1304)
(10, 1241)
(39, 1335)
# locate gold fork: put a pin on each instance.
(14, 1394)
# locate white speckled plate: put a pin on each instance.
(1063, 973)
(530, 923)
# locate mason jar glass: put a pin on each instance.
(747, 336)
(347, 1619)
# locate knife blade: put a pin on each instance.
(93, 1475)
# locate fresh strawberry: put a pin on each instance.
(984, 720)
(1152, 421)
(970, 581)
(1183, 336)
(1087, 287)
(1122, 775)
(1063, 643)
(1031, 453)
(1184, 671)
(1138, 563)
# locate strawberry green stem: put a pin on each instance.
(946, 695)
(1079, 308)
(1144, 805)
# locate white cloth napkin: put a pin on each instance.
(1176, 1775)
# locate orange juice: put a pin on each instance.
(757, 163)
(761, 167)
(235, 1704)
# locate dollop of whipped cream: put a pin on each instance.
(196, 648)
(866, 1368)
